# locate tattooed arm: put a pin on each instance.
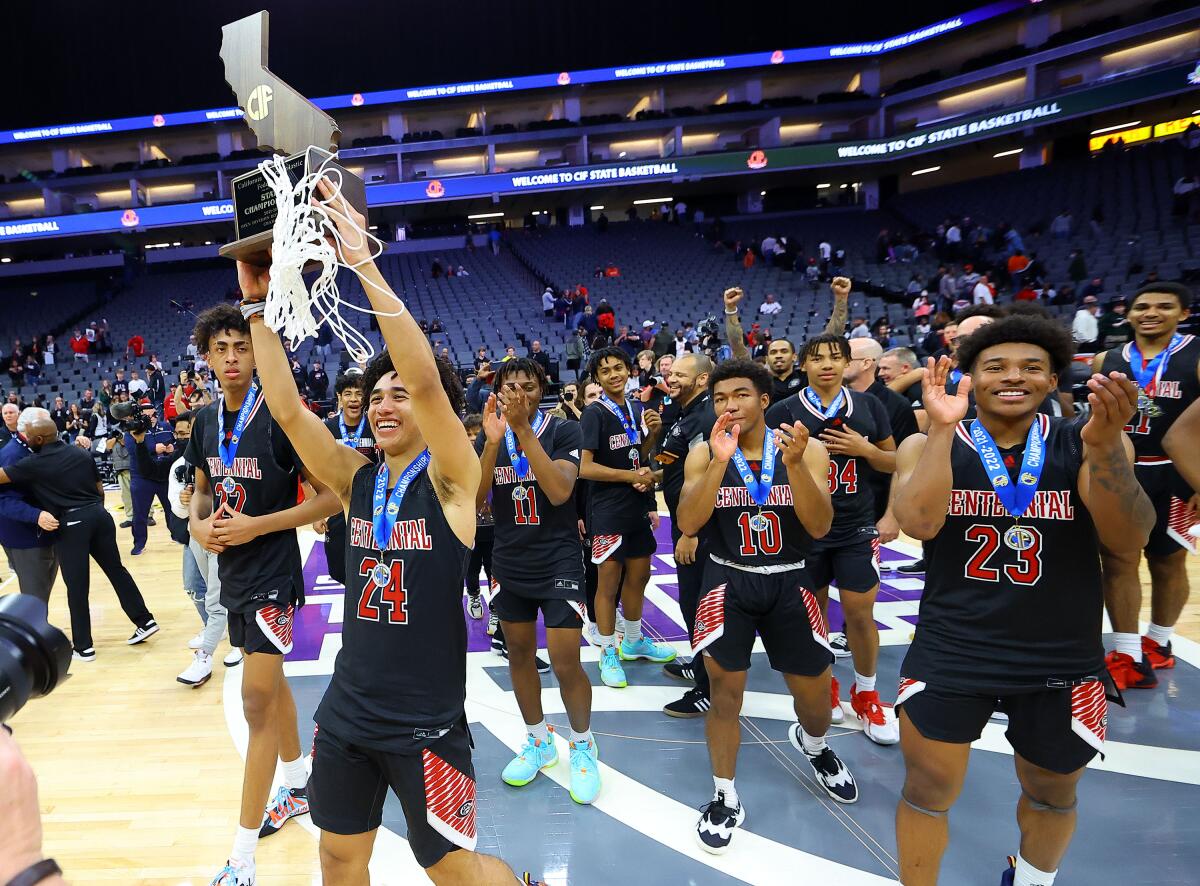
(841, 306)
(1119, 506)
(733, 324)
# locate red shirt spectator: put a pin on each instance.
(169, 410)
(79, 344)
(137, 344)
(612, 271)
(1026, 293)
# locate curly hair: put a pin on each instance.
(748, 369)
(381, 364)
(601, 354)
(1049, 335)
(347, 380)
(219, 318)
(837, 344)
(529, 366)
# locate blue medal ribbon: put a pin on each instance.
(384, 518)
(956, 375)
(352, 440)
(760, 488)
(1016, 497)
(228, 450)
(520, 461)
(627, 423)
(1149, 373)
(838, 402)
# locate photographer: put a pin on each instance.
(153, 446)
(121, 457)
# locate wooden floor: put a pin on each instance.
(139, 777)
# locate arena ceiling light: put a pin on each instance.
(1128, 125)
(926, 169)
(825, 185)
(595, 208)
(485, 215)
(653, 200)
(1008, 153)
(5, 260)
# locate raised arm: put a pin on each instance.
(841, 306)
(807, 462)
(733, 325)
(1119, 506)
(333, 463)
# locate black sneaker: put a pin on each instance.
(717, 823)
(840, 645)
(680, 669)
(86, 655)
(287, 803)
(543, 666)
(917, 567)
(693, 704)
(149, 629)
(125, 524)
(150, 521)
(830, 771)
(499, 648)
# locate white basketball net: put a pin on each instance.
(304, 234)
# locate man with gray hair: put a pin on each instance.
(9, 412)
(64, 481)
(26, 531)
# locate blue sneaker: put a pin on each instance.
(235, 873)
(647, 649)
(611, 672)
(535, 756)
(585, 772)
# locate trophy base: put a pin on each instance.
(255, 210)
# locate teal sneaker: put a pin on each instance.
(647, 649)
(535, 756)
(585, 772)
(611, 672)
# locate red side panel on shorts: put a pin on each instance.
(276, 623)
(449, 801)
(603, 547)
(1179, 525)
(580, 607)
(908, 688)
(710, 619)
(493, 588)
(819, 630)
(1089, 713)
(875, 545)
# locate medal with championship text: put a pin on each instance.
(1015, 497)
(1148, 373)
(758, 487)
(627, 422)
(385, 510)
(518, 459)
(227, 449)
(351, 439)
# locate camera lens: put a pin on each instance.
(34, 655)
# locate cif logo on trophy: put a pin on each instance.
(285, 122)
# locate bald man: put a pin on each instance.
(64, 481)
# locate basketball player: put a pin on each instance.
(688, 383)
(349, 427)
(855, 429)
(618, 436)
(759, 498)
(393, 712)
(530, 462)
(1166, 366)
(244, 510)
(1011, 506)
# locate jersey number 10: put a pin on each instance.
(768, 540)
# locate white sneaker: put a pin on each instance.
(198, 672)
(839, 644)
(197, 641)
(233, 659)
(591, 633)
(235, 873)
(85, 655)
(878, 721)
(475, 607)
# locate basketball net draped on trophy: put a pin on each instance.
(280, 218)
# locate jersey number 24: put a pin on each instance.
(392, 594)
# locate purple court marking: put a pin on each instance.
(324, 597)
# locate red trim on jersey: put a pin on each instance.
(1089, 713)
(819, 630)
(804, 402)
(449, 801)
(908, 688)
(1152, 460)
(277, 624)
(603, 547)
(1180, 523)
(1127, 349)
(710, 619)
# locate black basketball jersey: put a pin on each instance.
(366, 442)
(849, 486)
(534, 538)
(995, 619)
(604, 436)
(735, 531)
(1176, 390)
(400, 676)
(691, 427)
(263, 479)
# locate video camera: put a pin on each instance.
(130, 419)
(34, 655)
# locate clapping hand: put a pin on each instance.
(724, 440)
(942, 408)
(493, 422)
(792, 440)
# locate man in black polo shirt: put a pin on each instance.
(63, 480)
(688, 382)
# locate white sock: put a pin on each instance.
(607, 640)
(726, 785)
(581, 736)
(633, 630)
(1159, 634)
(1028, 875)
(812, 746)
(539, 731)
(295, 775)
(244, 843)
(864, 684)
(1130, 644)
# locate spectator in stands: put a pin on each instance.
(1183, 189)
(570, 405)
(768, 244)
(1094, 288)
(191, 351)
(494, 242)
(953, 239)
(323, 347)
(318, 382)
(436, 269)
(748, 259)
(76, 422)
(1114, 329)
(601, 223)
(859, 328)
(587, 322)
(49, 352)
(1017, 264)
(1086, 328)
(1060, 228)
(680, 344)
(921, 306)
(606, 318)
(1076, 267)
(982, 294)
(1026, 293)
(537, 355)
(770, 307)
(510, 352)
(138, 386)
(136, 346)
(611, 270)
(59, 414)
(647, 335)
(1150, 279)
(79, 346)
(11, 413)
(88, 400)
(882, 333)
(576, 350)
(157, 385)
(630, 344)
(479, 388)
(947, 289)
(91, 334)
(548, 302)
(16, 370)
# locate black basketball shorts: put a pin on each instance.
(560, 599)
(739, 604)
(1057, 729)
(852, 566)
(435, 785)
(1168, 493)
(267, 630)
(619, 543)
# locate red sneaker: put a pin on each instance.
(1159, 657)
(835, 702)
(878, 727)
(1130, 674)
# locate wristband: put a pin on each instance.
(730, 313)
(36, 873)
(250, 308)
